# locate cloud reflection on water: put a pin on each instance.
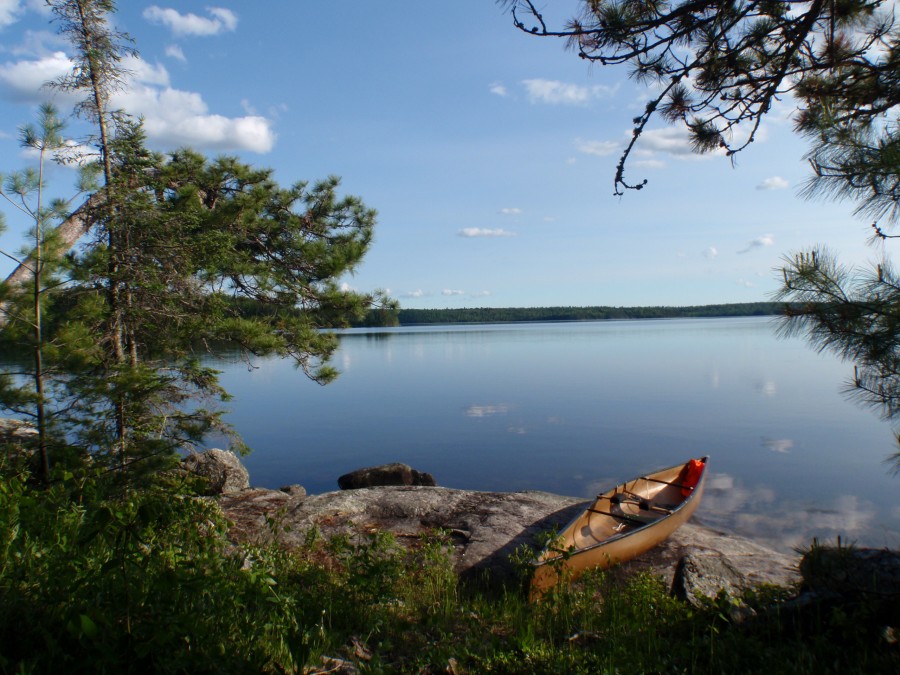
(486, 410)
(781, 445)
(760, 514)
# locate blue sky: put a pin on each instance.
(489, 154)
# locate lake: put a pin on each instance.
(575, 408)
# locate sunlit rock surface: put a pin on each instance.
(223, 470)
(485, 527)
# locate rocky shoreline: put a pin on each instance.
(484, 527)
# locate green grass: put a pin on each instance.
(147, 582)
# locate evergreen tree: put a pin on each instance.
(215, 255)
(182, 256)
(24, 191)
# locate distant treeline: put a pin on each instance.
(408, 317)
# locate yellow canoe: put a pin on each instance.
(622, 523)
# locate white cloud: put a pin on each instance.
(759, 242)
(773, 183)
(418, 293)
(9, 10)
(175, 52)
(674, 141)
(483, 232)
(171, 116)
(563, 93)
(597, 148)
(711, 252)
(498, 89)
(25, 79)
(745, 284)
(223, 20)
(671, 140)
(450, 291)
(649, 164)
(176, 117)
(480, 294)
(513, 211)
(143, 72)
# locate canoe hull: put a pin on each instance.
(619, 525)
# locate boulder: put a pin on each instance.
(705, 574)
(222, 470)
(293, 490)
(385, 474)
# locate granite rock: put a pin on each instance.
(484, 527)
(385, 474)
(222, 470)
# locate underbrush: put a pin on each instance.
(146, 581)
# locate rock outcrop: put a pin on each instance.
(223, 470)
(383, 475)
(484, 527)
(706, 573)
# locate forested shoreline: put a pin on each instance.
(411, 317)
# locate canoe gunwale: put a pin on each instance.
(541, 562)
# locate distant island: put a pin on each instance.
(413, 317)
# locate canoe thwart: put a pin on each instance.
(624, 516)
(665, 482)
(642, 503)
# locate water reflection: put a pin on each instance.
(486, 410)
(573, 408)
(781, 445)
(785, 523)
(767, 388)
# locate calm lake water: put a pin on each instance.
(575, 408)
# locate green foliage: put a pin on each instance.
(97, 579)
(260, 275)
(138, 582)
(854, 313)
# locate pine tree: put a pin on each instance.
(24, 191)
(182, 256)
